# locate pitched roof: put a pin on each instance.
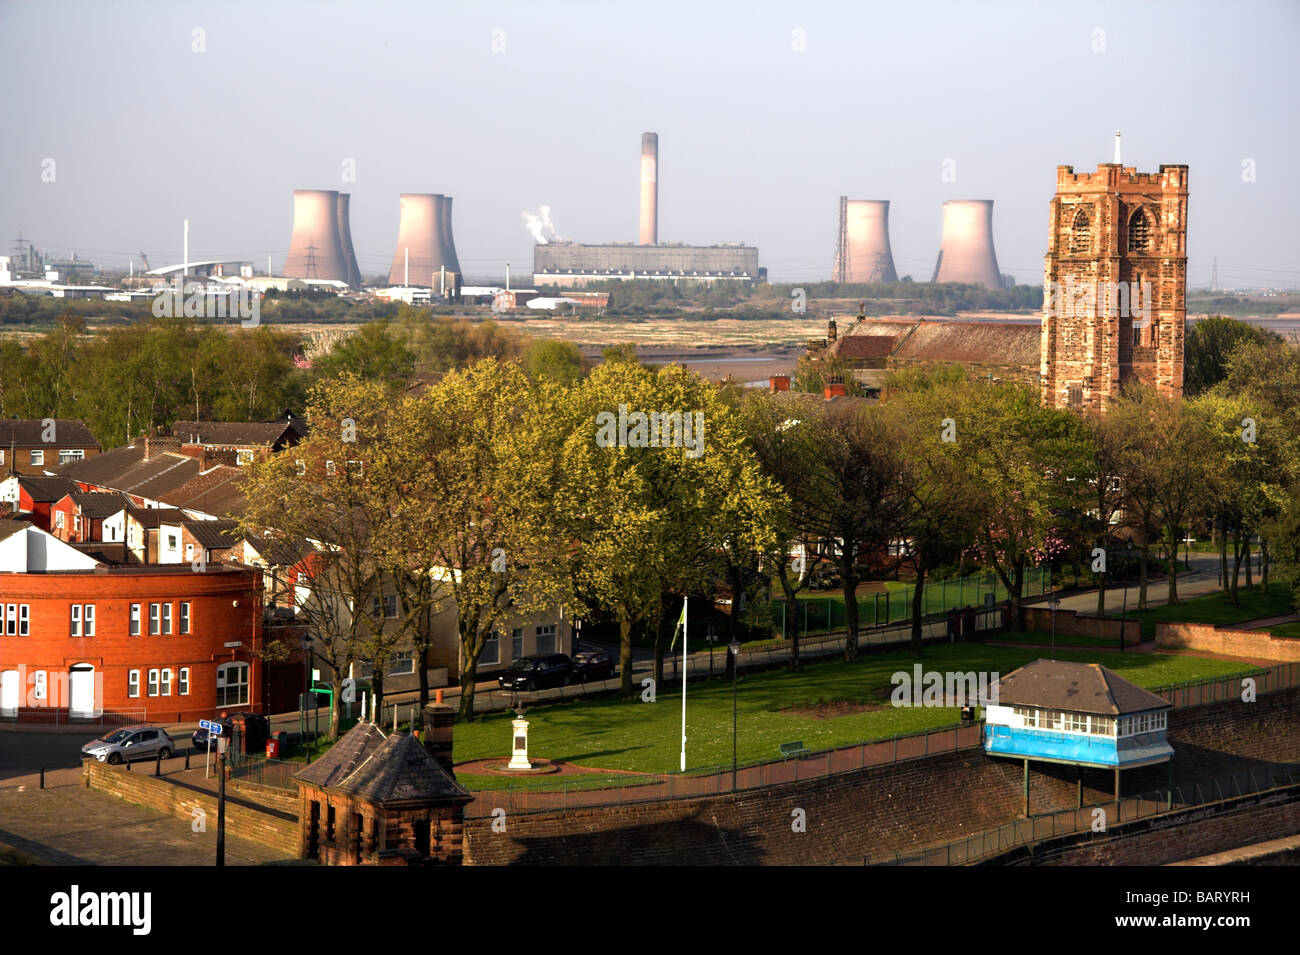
(279, 552)
(29, 433)
(103, 470)
(46, 490)
(154, 516)
(234, 433)
(213, 535)
(1076, 687)
(383, 769)
(1000, 343)
(99, 504)
(9, 527)
(215, 491)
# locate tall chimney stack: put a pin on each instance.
(649, 234)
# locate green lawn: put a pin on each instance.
(1045, 639)
(1289, 630)
(646, 737)
(1215, 608)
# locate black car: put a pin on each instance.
(256, 726)
(536, 673)
(592, 665)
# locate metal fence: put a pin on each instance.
(264, 770)
(629, 788)
(490, 700)
(61, 716)
(987, 845)
(1283, 676)
(825, 614)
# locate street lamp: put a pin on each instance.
(1128, 551)
(1054, 602)
(307, 655)
(734, 648)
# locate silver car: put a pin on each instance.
(130, 743)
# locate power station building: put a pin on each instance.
(426, 252)
(863, 253)
(1114, 289)
(321, 244)
(966, 246)
(572, 264)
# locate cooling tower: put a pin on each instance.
(649, 232)
(345, 242)
(315, 251)
(864, 254)
(424, 236)
(966, 248)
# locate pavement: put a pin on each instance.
(72, 825)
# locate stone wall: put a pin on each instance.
(1228, 642)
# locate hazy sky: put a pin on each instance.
(510, 106)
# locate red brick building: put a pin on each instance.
(31, 445)
(161, 643)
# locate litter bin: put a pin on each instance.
(273, 748)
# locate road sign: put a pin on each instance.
(212, 726)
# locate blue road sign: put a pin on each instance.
(212, 726)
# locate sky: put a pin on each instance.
(119, 120)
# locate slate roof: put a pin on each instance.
(279, 552)
(96, 505)
(382, 769)
(46, 490)
(103, 470)
(155, 516)
(241, 434)
(214, 535)
(215, 491)
(9, 527)
(1076, 687)
(27, 432)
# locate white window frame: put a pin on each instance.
(183, 682)
(243, 456)
(401, 657)
(245, 670)
(155, 616)
(167, 618)
(11, 620)
(88, 619)
(71, 454)
(133, 618)
(185, 616)
(153, 682)
(133, 683)
(38, 457)
(74, 628)
(24, 619)
(39, 685)
(493, 642)
(166, 685)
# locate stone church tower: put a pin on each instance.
(1114, 306)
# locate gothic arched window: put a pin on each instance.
(1139, 232)
(1081, 232)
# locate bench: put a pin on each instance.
(794, 749)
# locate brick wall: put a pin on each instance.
(1197, 837)
(1232, 643)
(1070, 623)
(142, 789)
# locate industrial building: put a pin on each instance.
(569, 263)
(573, 264)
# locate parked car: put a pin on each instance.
(129, 743)
(536, 673)
(592, 665)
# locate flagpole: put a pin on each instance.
(684, 642)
